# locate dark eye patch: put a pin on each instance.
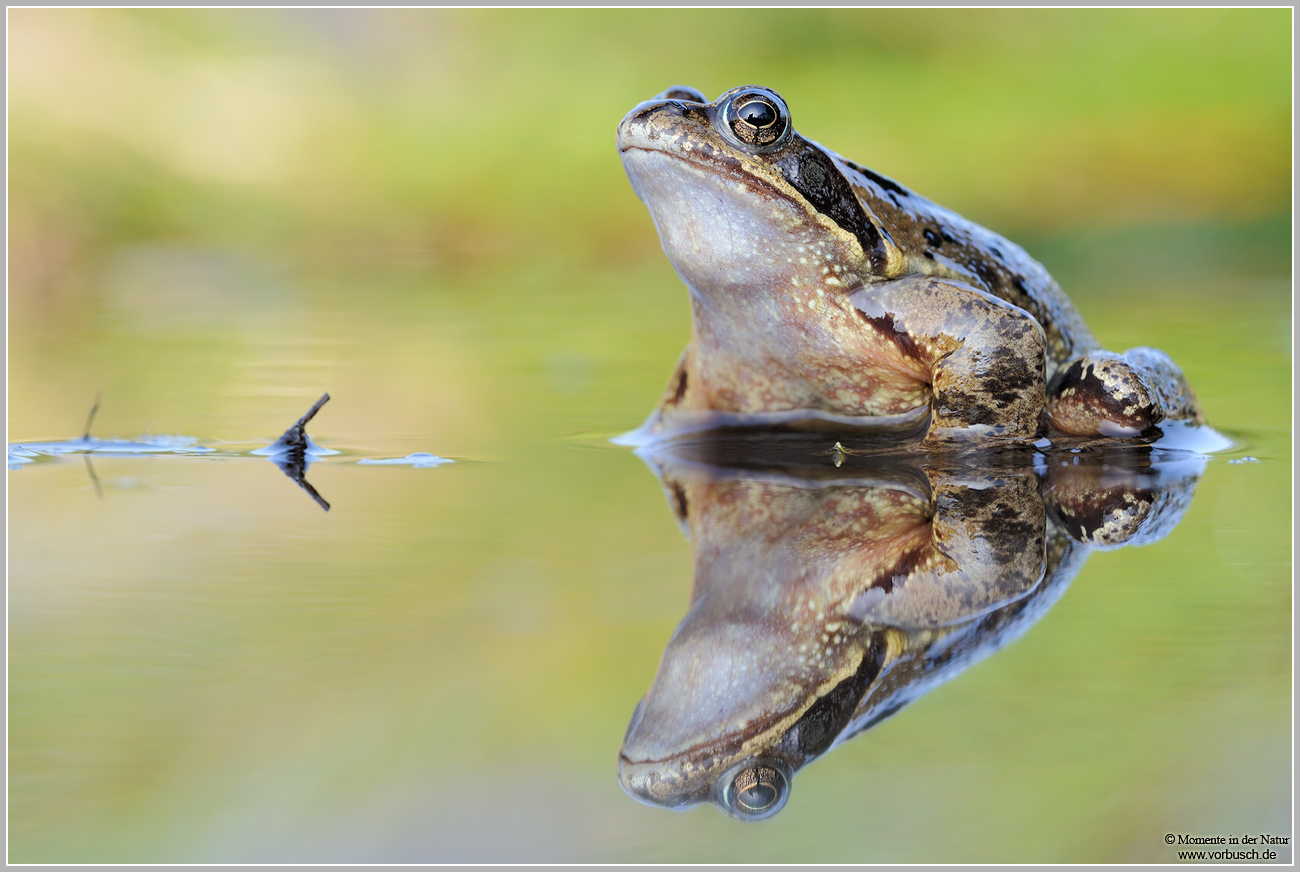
(889, 185)
(827, 718)
(817, 178)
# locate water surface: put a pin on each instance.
(206, 666)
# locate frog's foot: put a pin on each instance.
(1112, 506)
(1119, 395)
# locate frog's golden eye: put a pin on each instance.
(755, 790)
(757, 118)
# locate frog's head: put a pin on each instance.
(735, 710)
(742, 201)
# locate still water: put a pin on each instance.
(206, 666)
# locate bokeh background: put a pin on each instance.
(216, 215)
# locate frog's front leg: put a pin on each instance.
(987, 548)
(984, 358)
(1108, 394)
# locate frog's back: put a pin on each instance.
(938, 241)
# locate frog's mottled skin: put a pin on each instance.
(826, 599)
(824, 292)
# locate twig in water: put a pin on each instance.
(296, 436)
(90, 467)
(291, 453)
(320, 500)
(93, 409)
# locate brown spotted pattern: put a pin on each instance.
(781, 246)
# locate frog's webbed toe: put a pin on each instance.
(1108, 394)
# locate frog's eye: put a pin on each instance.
(757, 118)
(755, 790)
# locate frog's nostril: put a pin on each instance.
(642, 112)
(681, 92)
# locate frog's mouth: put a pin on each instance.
(671, 757)
(653, 168)
(676, 746)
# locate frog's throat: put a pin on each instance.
(688, 775)
(725, 228)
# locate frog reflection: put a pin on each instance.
(826, 599)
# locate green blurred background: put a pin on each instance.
(216, 215)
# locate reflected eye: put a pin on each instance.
(757, 118)
(755, 791)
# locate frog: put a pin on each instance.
(826, 598)
(826, 295)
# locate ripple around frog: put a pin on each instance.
(889, 433)
(833, 586)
